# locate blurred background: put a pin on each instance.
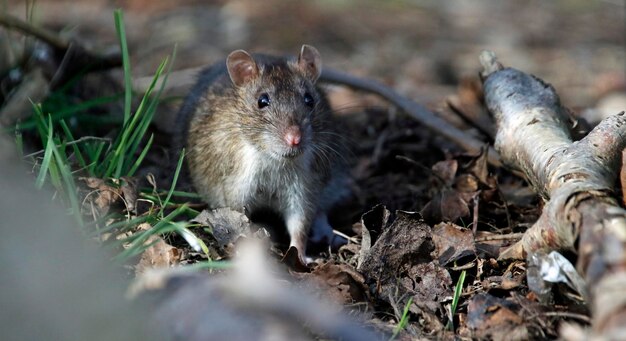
(421, 48)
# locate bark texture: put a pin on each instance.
(576, 178)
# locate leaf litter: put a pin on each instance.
(468, 213)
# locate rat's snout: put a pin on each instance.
(293, 135)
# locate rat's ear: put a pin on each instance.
(241, 67)
(310, 62)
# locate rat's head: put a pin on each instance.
(278, 100)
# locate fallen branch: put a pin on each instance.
(76, 58)
(576, 178)
(415, 110)
(47, 36)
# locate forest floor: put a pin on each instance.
(424, 217)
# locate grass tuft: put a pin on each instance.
(403, 320)
(458, 289)
(122, 156)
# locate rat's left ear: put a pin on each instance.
(310, 62)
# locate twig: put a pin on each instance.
(464, 266)
(486, 128)
(581, 317)
(80, 140)
(76, 58)
(42, 34)
(415, 110)
(500, 237)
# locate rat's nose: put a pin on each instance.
(293, 135)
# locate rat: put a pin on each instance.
(259, 134)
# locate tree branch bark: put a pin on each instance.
(576, 179)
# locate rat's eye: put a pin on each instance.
(264, 100)
(308, 100)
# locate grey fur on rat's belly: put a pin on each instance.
(259, 133)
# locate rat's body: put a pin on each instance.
(258, 135)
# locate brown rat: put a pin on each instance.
(259, 135)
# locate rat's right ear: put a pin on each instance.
(241, 67)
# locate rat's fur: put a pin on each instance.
(236, 152)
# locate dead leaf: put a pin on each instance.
(105, 194)
(226, 225)
(494, 318)
(372, 223)
(342, 283)
(452, 242)
(401, 262)
(513, 276)
(292, 260)
(159, 255)
(477, 167)
(446, 171)
(447, 205)
(129, 191)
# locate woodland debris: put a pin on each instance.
(545, 269)
(339, 282)
(452, 242)
(458, 188)
(490, 317)
(46, 66)
(576, 178)
(159, 255)
(77, 58)
(103, 194)
(251, 301)
(415, 110)
(33, 89)
(226, 225)
(402, 263)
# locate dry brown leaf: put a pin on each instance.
(372, 223)
(452, 242)
(402, 262)
(343, 284)
(104, 195)
(446, 205)
(159, 255)
(226, 225)
(495, 318)
(446, 171)
(292, 260)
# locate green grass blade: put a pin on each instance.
(196, 243)
(165, 77)
(70, 186)
(121, 35)
(139, 160)
(40, 123)
(75, 147)
(66, 112)
(47, 158)
(121, 225)
(152, 105)
(174, 181)
(210, 264)
(94, 158)
(138, 240)
(455, 300)
(122, 146)
(146, 191)
(403, 320)
(145, 112)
